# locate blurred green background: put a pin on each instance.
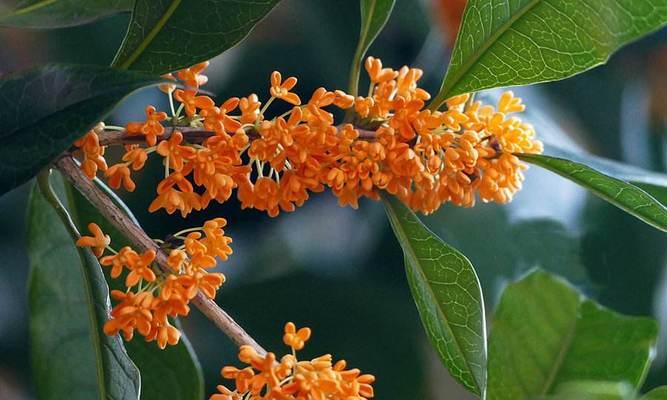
(340, 271)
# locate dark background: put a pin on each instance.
(340, 271)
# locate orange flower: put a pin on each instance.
(281, 90)
(168, 87)
(118, 261)
(376, 73)
(295, 339)
(216, 118)
(343, 100)
(140, 268)
(98, 242)
(151, 128)
(136, 156)
(120, 174)
(93, 154)
(215, 242)
(249, 109)
(192, 76)
(192, 102)
(184, 199)
(175, 152)
(269, 378)
(133, 312)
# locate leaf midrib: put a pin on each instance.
(30, 8)
(413, 255)
(543, 162)
(456, 78)
(566, 344)
(367, 27)
(151, 35)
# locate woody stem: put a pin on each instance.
(124, 223)
(191, 135)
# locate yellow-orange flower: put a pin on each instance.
(154, 295)
(93, 154)
(294, 338)
(151, 128)
(192, 76)
(98, 242)
(118, 175)
(281, 89)
(175, 152)
(268, 378)
(216, 118)
(192, 102)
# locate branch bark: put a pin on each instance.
(191, 135)
(121, 221)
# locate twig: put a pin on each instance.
(136, 235)
(191, 135)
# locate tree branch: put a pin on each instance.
(136, 235)
(191, 135)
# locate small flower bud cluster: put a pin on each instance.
(153, 296)
(266, 377)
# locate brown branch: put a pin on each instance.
(136, 235)
(191, 135)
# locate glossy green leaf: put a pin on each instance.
(61, 13)
(374, 16)
(69, 303)
(654, 183)
(545, 335)
(623, 195)
(43, 111)
(591, 390)
(173, 373)
(448, 296)
(167, 35)
(656, 394)
(518, 42)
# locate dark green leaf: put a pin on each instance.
(652, 182)
(172, 373)
(44, 110)
(623, 195)
(503, 43)
(167, 35)
(374, 16)
(545, 335)
(656, 394)
(61, 13)
(69, 303)
(448, 296)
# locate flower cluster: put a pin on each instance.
(154, 295)
(390, 142)
(394, 143)
(266, 377)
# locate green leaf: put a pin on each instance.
(652, 182)
(448, 296)
(519, 42)
(592, 390)
(69, 303)
(172, 373)
(44, 110)
(167, 35)
(374, 16)
(545, 335)
(656, 394)
(623, 195)
(61, 13)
